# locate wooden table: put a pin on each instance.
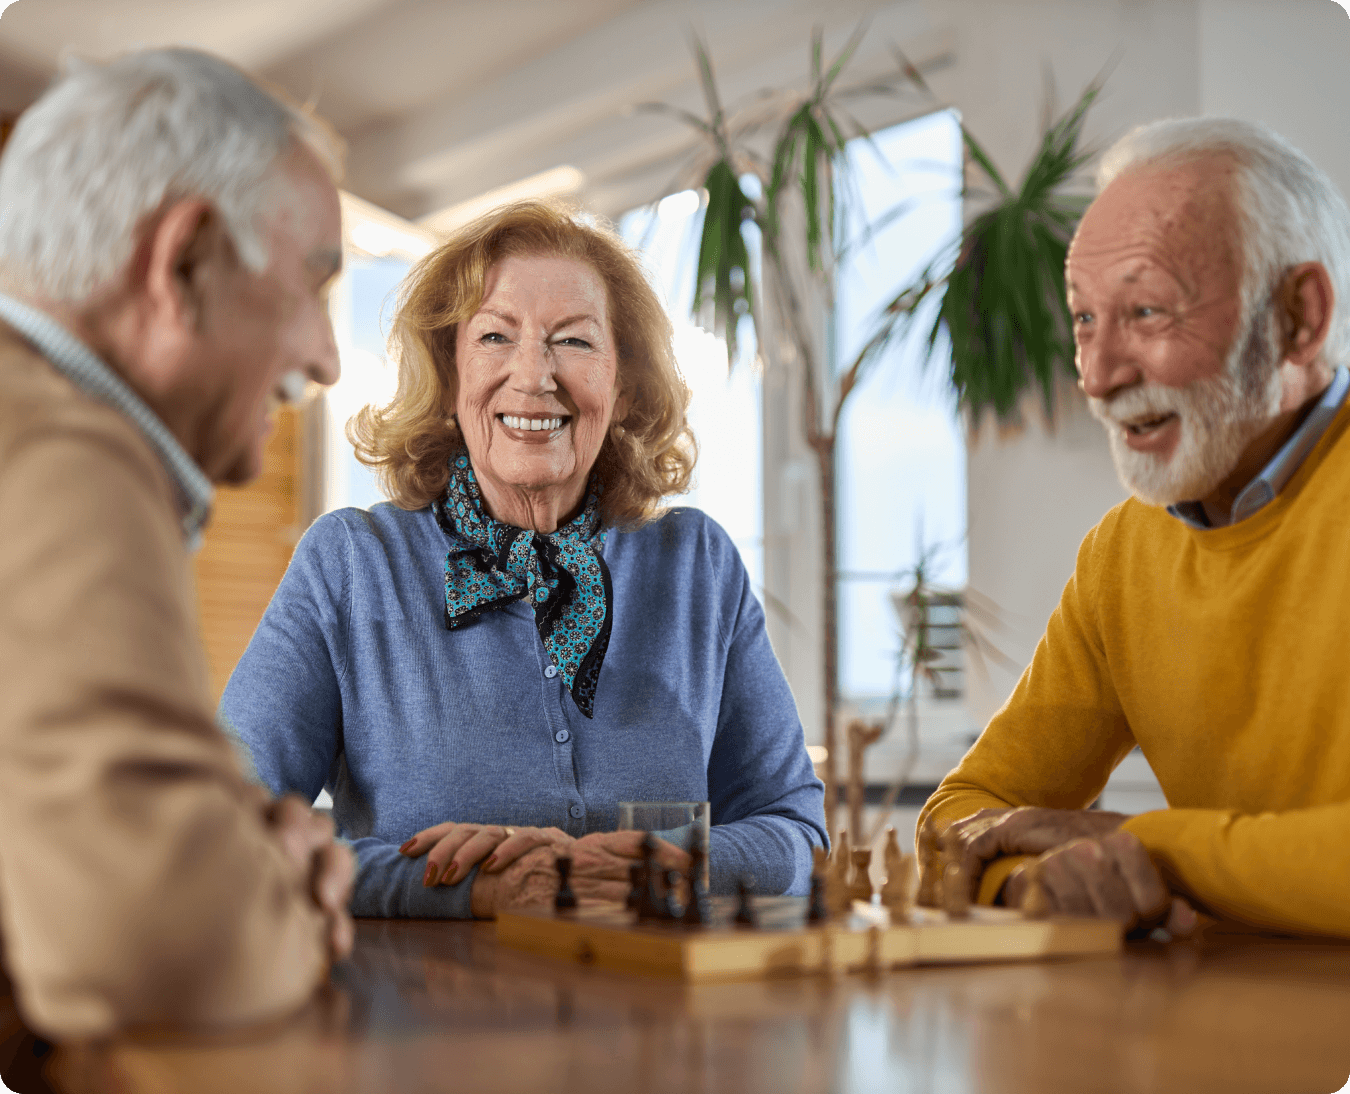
(431, 1006)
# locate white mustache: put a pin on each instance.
(1147, 401)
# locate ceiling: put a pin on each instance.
(442, 101)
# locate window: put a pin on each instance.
(362, 305)
(725, 411)
(901, 483)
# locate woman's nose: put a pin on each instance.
(532, 368)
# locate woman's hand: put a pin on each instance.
(600, 865)
(452, 849)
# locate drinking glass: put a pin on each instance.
(673, 822)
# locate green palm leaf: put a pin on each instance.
(1003, 303)
(723, 258)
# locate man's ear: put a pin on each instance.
(1306, 298)
(182, 247)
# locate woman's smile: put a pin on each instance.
(540, 428)
(538, 386)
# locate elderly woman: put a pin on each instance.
(480, 672)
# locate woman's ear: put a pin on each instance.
(623, 403)
(1307, 299)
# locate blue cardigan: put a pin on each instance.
(352, 682)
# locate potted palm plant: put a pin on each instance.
(1001, 283)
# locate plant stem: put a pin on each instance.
(823, 445)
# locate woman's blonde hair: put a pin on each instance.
(409, 442)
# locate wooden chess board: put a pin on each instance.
(783, 944)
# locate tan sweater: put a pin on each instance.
(138, 883)
(1225, 655)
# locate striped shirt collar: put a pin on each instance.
(1262, 490)
(82, 367)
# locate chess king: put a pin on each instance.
(1205, 620)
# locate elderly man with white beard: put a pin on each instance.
(1208, 617)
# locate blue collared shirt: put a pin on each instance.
(82, 367)
(1261, 491)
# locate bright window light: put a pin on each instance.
(902, 463)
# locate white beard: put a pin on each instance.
(1218, 418)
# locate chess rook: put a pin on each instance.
(564, 900)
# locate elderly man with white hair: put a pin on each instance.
(167, 233)
(1208, 618)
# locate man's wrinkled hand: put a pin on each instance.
(1111, 877)
(991, 833)
(306, 838)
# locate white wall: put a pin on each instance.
(1285, 63)
(1033, 492)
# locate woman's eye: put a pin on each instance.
(574, 341)
(1145, 311)
(493, 338)
(1082, 318)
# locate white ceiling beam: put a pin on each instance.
(251, 33)
(452, 150)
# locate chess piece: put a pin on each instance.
(1035, 900)
(897, 894)
(836, 884)
(861, 887)
(671, 908)
(635, 884)
(930, 866)
(745, 913)
(696, 911)
(818, 910)
(651, 902)
(564, 900)
(955, 891)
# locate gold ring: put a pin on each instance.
(509, 831)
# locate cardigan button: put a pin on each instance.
(551, 671)
(576, 811)
(561, 736)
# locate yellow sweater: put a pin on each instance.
(1225, 655)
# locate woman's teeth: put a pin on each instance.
(532, 424)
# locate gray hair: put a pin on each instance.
(1289, 211)
(111, 144)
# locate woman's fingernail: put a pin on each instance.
(491, 862)
(449, 873)
(405, 848)
(430, 879)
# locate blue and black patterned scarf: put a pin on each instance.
(562, 573)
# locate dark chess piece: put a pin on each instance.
(697, 911)
(745, 914)
(565, 900)
(635, 884)
(670, 905)
(651, 901)
(818, 911)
